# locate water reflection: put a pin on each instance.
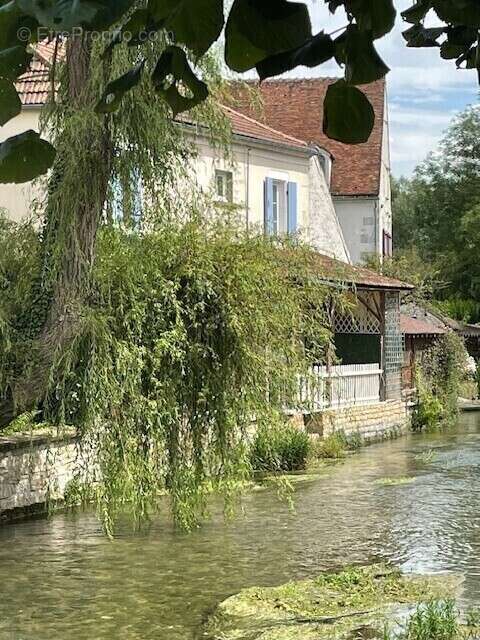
(62, 579)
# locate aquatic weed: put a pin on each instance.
(392, 482)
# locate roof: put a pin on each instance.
(34, 85)
(34, 88)
(338, 271)
(243, 125)
(430, 314)
(295, 107)
(419, 327)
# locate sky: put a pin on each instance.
(424, 91)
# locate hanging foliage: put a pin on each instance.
(192, 334)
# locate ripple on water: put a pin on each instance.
(62, 579)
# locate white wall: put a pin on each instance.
(251, 164)
(17, 198)
(358, 218)
(364, 219)
(385, 196)
(324, 226)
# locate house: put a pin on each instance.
(358, 175)
(420, 331)
(282, 179)
(276, 182)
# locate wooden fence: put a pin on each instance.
(343, 386)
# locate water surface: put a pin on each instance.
(61, 579)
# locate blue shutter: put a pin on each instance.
(268, 206)
(292, 207)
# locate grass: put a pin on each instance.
(279, 448)
(433, 620)
(336, 445)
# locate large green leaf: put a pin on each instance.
(195, 23)
(15, 25)
(115, 90)
(376, 17)
(14, 61)
(258, 30)
(468, 60)
(348, 116)
(315, 51)
(64, 15)
(24, 157)
(362, 62)
(419, 36)
(10, 104)
(109, 12)
(61, 15)
(175, 81)
(417, 12)
(465, 12)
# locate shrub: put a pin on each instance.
(336, 445)
(332, 447)
(438, 379)
(189, 330)
(429, 410)
(279, 446)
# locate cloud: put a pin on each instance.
(424, 91)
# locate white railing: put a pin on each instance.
(343, 386)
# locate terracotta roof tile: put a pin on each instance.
(34, 85)
(296, 108)
(34, 88)
(245, 126)
(338, 271)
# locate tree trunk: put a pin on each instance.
(71, 231)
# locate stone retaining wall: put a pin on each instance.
(35, 470)
(371, 422)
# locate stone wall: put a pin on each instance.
(35, 470)
(371, 422)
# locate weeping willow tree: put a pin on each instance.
(161, 339)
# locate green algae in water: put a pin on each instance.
(394, 482)
(332, 606)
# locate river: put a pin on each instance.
(61, 579)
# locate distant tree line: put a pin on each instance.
(436, 219)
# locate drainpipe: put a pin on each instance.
(247, 194)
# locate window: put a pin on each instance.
(127, 200)
(387, 245)
(224, 185)
(280, 207)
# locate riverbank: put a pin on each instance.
(37, 467)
